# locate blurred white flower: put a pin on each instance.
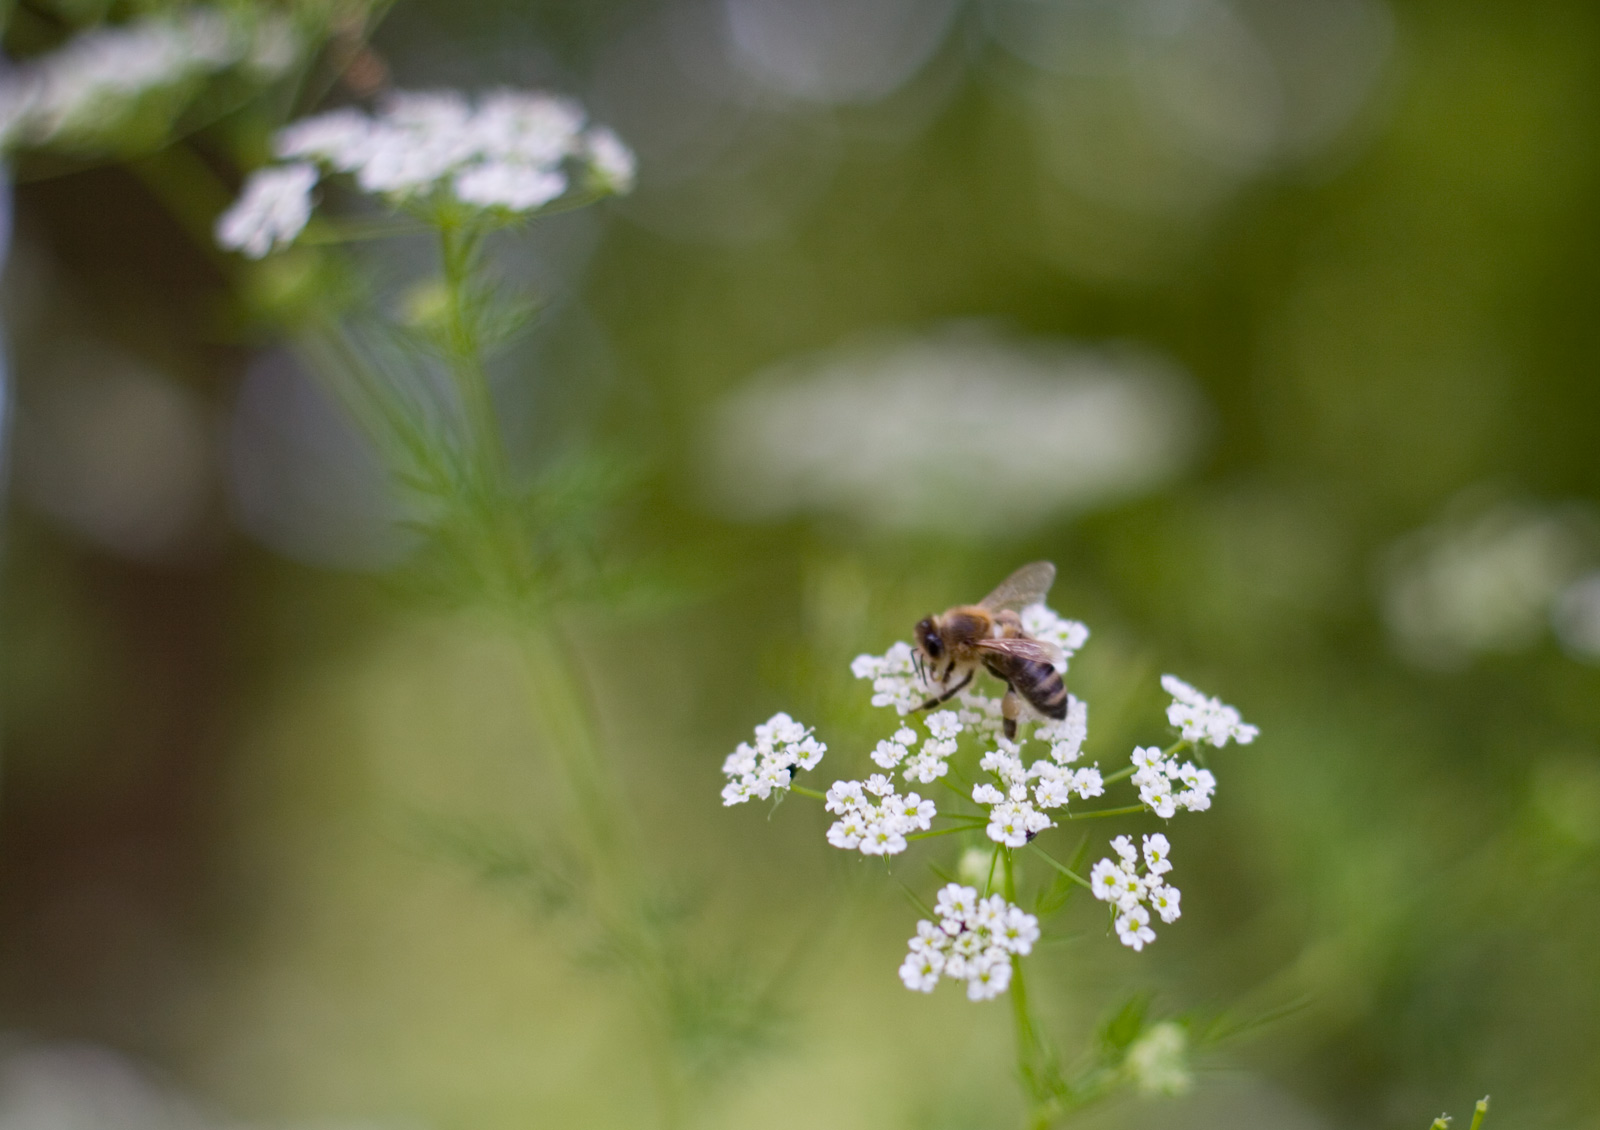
(782, 748)
(121, 453)
(835, 51)
(973, 942)
(1203, 719)
(514, 151)
(271, 211)
(613, 162)
(82, 92)
(1158, 1060)
(1484, 578)
(964, 431)
(1576, 616)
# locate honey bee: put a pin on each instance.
(989, 635)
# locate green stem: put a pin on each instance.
(567, 717)
(1059, 866)
(1095, 815)
(812, 793)
(937, 832)
(1033, 1059)
(1120, 775)
(458, 248)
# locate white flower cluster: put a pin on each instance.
(514, 151)
(930, 762)
(873, 818)
(973, 942)
(81, 93)
(1203, 719)
(1015, 816)
(783, 747)
(980, 713)
(894, 678)
(1040, 622)
(1120, 883)
(1166, 786)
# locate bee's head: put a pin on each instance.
(928, 639)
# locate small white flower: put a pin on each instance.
(987, 794)
(338, 138)
(271, 211)
(846, 833)
(879, 785)
(1018, 931)
(842, 796)
(991, 913)
(882, 838)
(929, 937)
(1131, 889)
(612, 161)
(1066, 736)
(957, 904)
(943, 724)
(1156, 850)
(1105, 881)
(1133, 928)
(1149, 757)
(1165, 901)
(1043, 624)
(924, 768)
(1123, 846)
(920, 971)
(894, 678)
(916, 812)
(524, 128)
(1203, 719)
(988, 979)
(1014, 823)
(503, 184)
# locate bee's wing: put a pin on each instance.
(1028, 585)
(1021, 647)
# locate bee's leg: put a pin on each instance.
(949, 694)
(1010, 711)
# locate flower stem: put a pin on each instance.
(1035, 1064)
(812, 793)
(458, 251)
(1059, 866)
(1105, 812)
(1120, 775)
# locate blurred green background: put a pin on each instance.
(1313, 282)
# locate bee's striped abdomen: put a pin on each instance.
(1038, 682)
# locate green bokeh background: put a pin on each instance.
(214, 763)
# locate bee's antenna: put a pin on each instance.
(916, 662)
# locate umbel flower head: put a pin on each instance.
(977, 939)
(85, 95)
(973, 941)
(782, 748)
(510, 153)
(1121, 883)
